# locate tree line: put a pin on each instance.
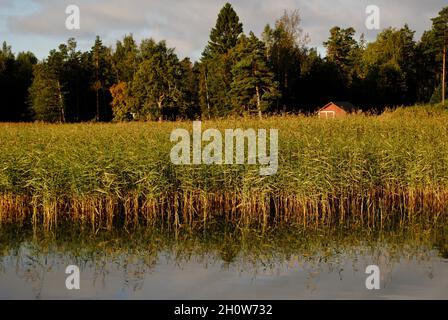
(237, 74)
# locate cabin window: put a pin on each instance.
(327, 114)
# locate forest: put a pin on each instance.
(238, 74)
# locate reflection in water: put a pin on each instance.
(224, 262)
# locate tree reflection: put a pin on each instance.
(133, 255)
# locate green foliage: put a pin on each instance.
(436, 96)
(286, 53)
(188, 106)
(102, 62)
(16, 73)
(253, 87)
(429, 59)
(388, 83)
(393, 70)
(155, 87)
(126, 59)
(216, 72)
(216, 77)
(224, 36)
(45, 95)
(390, 67)
(76, 82)
(440, 28)
(341, 46)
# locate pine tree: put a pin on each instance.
(440, 27)
(341, 48)
(253, 86)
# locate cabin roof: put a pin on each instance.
(344, 105)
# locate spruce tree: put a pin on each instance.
(224, 36)
(189, 106)
(45, 95)
(216, 72)
(102, 62)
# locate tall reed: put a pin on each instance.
(359, 170)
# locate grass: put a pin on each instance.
(360, 170)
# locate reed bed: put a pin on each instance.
(361, 170)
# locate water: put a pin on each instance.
(224, 264)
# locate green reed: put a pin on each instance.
(362, 170)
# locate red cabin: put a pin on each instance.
(334, 110)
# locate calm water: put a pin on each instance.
(224, 264)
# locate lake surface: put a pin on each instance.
(224, 264)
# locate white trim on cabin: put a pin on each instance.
(327, 113)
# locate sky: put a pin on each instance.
(39, 25)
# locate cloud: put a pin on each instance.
(186, 24)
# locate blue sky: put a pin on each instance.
(39, 25)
